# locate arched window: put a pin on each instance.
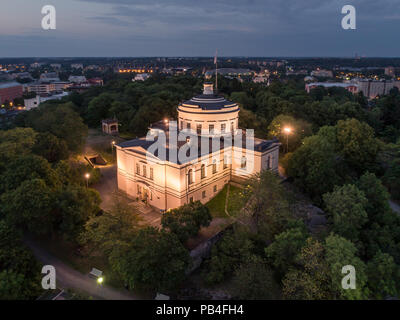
(190, 177)
(203, 171)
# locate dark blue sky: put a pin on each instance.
(198, 27)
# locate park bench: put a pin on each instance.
(96, 273)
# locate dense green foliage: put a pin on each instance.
(187, 220)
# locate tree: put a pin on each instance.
(346, 208)
(187, 220)
(25, 168)
(16, 142)
(15, 286)
(377, 205)
(254, 280)
(234, 248)
(341, 252)
(154, 259)
(356, 141)
(315, 166)
(30, 206)
(61, 121)
(299, 130)
(112, 228)
(20, 272)
(285, 248)
(50, 147)
(75, 206)
(266, 202)
(383, 276)
(311, 279)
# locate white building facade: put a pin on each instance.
(208, 124)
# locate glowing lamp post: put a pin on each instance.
(287, 130)
(100, 280)
(87, 177)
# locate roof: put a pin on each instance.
(259, 146)
(108, 121)
(209, 102)
(5, 85)
(332, 84)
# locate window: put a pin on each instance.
(225, 161)
(191, 199)
(214, 167)
(151, 174)
(151, 196)
(215, 188)
(138, 189)
(232, 127)
(203, 194)
(188, 126)
(211, 129)
(137, 168)
(190, 177)
(144, 171)
(243, 163)
(203, 171)
(198, 129)
(181, 125)
(223, 127)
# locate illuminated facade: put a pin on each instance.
(169, 180)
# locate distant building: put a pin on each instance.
(49, 77)
(55, 65)
(96, 82)
(351, 87)
(373, 88)
(21, 75)
(32, 103)
(41, 88)
(390, 71)
(230, 72)
(77, 66)
(321, 73)
(10, 91)
(260, 79)
(35, 102)
(77, 79)
(141, 77)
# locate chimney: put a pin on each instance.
(208, 88)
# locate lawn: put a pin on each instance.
(217, 204)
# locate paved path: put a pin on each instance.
(395, 207)
(72, 279)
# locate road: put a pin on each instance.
(68, 278)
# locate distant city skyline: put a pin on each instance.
(253, 28)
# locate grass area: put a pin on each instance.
(217, 204)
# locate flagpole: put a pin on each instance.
(216, 71)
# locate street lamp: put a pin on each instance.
(287, 130)
(100, 280)
(87, 176)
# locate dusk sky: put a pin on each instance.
(199, 27)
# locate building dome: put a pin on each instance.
(208, 113)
